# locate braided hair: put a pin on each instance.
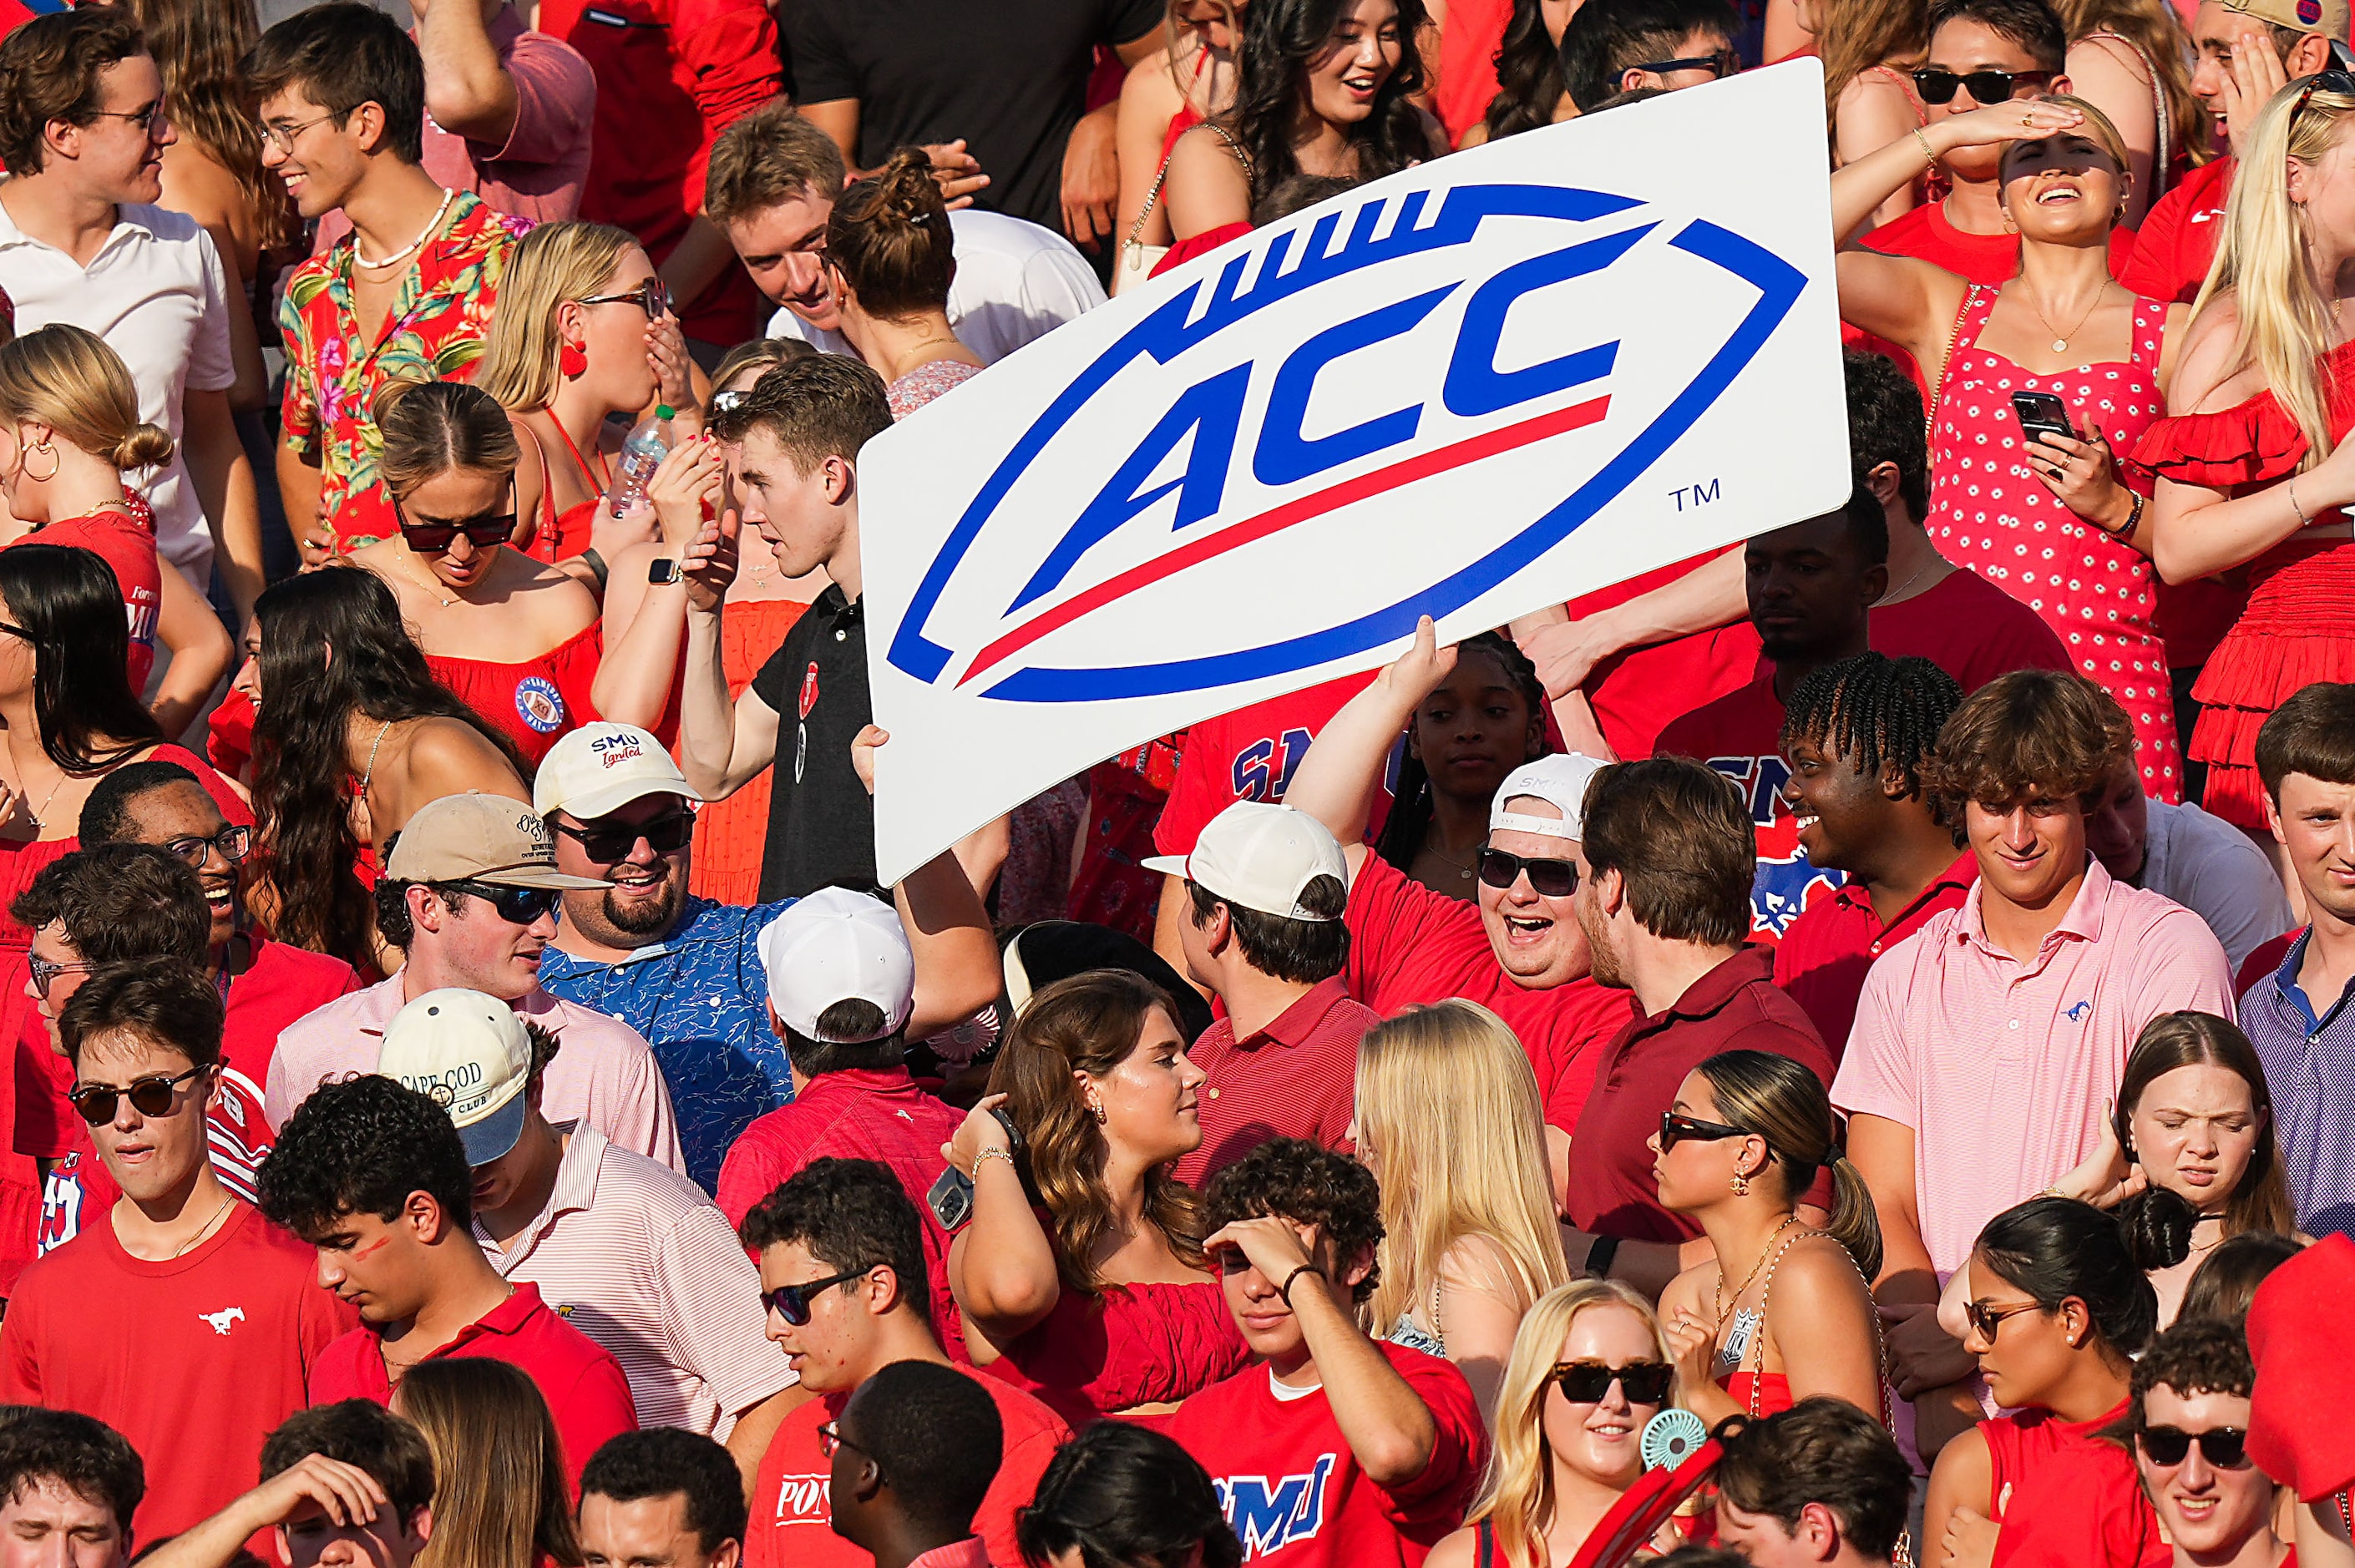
(1410, 818)
(1884, 712)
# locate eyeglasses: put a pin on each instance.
(1985, 86)
(653, 296)
(13, 630)
(664, 835)
(1986, 1319)
(283, 136)
(484, 532)
(1548, 878)
(234, 842)
(142, 118)
(723, 401)
(830, 1438)
(148, 1096)
(516, 906)
(792, 1302)
(44, 973)
(1675, 1130)
(2227, 1448)
(1585, 1382)
(2333, 81)
(1722, 64)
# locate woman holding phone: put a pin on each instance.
(2036, 384)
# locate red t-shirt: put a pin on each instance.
(128, 551)
(194, 1359)
(1291, 1490)
(1970, 629)
(1249, 755)
(1635, 695)
(792, 1524)
(1740, 735)
(1296, 1078)
(1926, 233)
(1409, 946)
(1822, 959)
(1733, 1007)
(2178, 240)
(579, 1378)
(854, 1115)
(1469, 38)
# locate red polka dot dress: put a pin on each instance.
(1989, 512)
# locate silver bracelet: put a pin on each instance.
(988, 1154)
(2303, 520)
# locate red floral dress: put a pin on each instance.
(2299, 626)
(1989, 512)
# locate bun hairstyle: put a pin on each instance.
(2261, 1202)
(1784, 1103)
(2058, 1248)
(890, 239)
(430, 428)
(2157, 1225)
(69, 380)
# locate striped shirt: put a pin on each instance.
(632, 1255)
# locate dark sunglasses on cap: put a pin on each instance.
(664, 835)
(2227, 1448)
(792, 1302)
(2333, 81)
(1986, 87)
(516, 906)
(1548, 878)
(1675, 1130)
(653, 296)
(1585, 1382)
(148, 1096)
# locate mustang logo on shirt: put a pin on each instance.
(2078, 1010)
(1268, 1517)
(221, 1320)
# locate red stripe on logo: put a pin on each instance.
(1211, 545)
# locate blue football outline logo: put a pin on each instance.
(1168, 333)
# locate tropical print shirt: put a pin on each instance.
(434, 332)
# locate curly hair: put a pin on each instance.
(848, 1215)
(1883, 713)
(1301, 1180)
(120, 903)
(2042, 730)
(2196, 1355)
(361, 1146)
(1282, 39)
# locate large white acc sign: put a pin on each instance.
(1486, 384)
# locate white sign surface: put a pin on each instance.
(1483, 385)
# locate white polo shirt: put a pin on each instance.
(156, 293)
(1014, 281)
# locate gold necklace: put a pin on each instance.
(429, 588)
(2060, 340)
(1764, 1254)
(1463, 869)
(209, 1224)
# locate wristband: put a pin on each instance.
(596, 565)
(2134, 520)
(1306, 1268)
(1599, 1257)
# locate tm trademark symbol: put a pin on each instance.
(1702, 494)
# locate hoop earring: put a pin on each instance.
(2008, 226)
(28, 465)
(572, 362)
(1741, 1185)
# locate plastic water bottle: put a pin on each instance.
(641, 454)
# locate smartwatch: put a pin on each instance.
(662, 569)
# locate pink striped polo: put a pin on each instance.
(2003, 1068)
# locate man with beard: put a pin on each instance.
(1809, 587)
(685, 972)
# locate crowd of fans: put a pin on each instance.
(1877, 995)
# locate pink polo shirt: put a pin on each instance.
(2003, 1068)
(605, 1074)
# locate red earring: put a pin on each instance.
(572, 360)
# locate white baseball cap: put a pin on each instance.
(833, 946)
(469, 1052)
(602, 767)
(1559, 780)
(1260, 856)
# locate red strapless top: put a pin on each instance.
(536, 702)
(1140, 1345)
(1774, 1391)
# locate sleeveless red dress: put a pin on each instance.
(2065, 1497)
(536, 702)
(2299, 626)
(1988, 512)
(731, 835)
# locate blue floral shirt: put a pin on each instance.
(701, 1000)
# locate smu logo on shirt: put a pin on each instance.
(1230, 437)
(802, 1499)
(1268, 1516)
(1787, 881)
(1262, 770)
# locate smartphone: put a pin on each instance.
(2042, 414)
(951, 1197)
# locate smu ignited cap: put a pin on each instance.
(1559, 780)
(469, 1054)
(833, 946)
(1260, 856)
(603, 767)
(476, 837)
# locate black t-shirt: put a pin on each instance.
(821, 819)
(1010, 77)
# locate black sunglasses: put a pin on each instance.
(148, 1096)
(234, 842)
(516, 906)
(1723, 64)
(653, 296)
(664, 835)
(1585, 1382)
(1548, 878)
(1987, 1320)
(1986, 87)
(792, 1302)
(1675, 1130)
(434, 539)
(2227, 1448)
(2333, 81)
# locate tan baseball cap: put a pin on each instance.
(476, 837)
(2328, 17)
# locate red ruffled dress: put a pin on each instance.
(1988, 512)
(1140, 1344)
(731, 835)
(2299, 626)
(536, 702)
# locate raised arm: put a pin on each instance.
(957, 967)
(647, 622)
(1335, 782)
(723, 742)
(1002, 1266)
(467, 90)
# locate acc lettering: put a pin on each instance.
(1262, 770)
(1286, 456)
(1267, 1518)
(801, 1499)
